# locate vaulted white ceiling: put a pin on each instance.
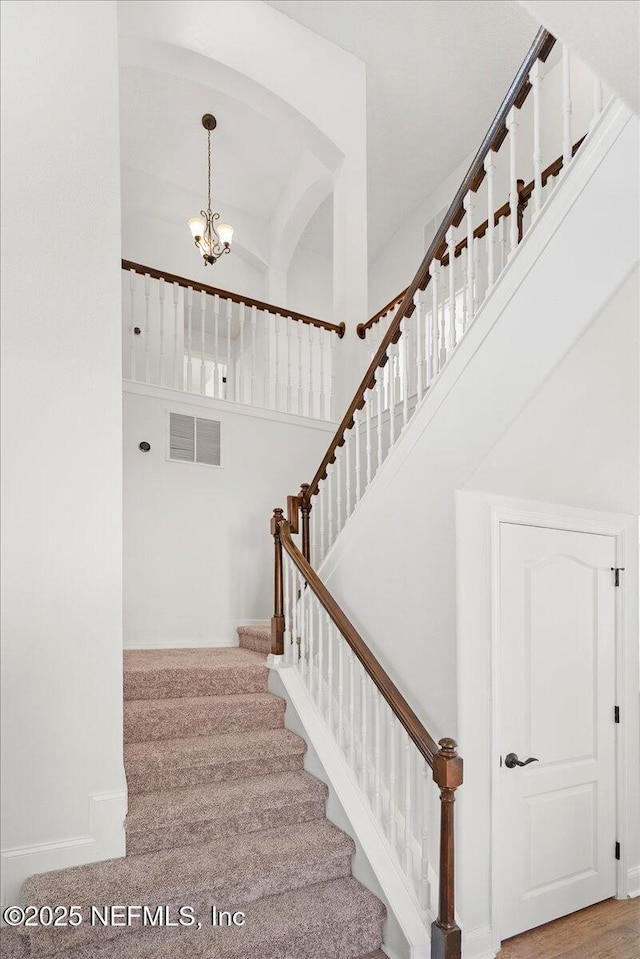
(436, 73)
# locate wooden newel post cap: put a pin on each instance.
(304, 489)
(276, 519)
(447, 765)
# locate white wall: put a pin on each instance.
(575, 444)
(309, 283)
(61, 438)
(198, 555)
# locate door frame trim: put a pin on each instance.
(624, 531)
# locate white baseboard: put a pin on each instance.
(105, 840)
(478, 943)
(633, 882)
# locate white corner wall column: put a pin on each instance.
(62, 774)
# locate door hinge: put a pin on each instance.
(616, 714)
(617, 850)
(616, 570)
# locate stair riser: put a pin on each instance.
(186, 683)
(152, 726)
(152, 780)
(257, 643)
(45, 941)
(190, 834)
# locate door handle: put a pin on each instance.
(511, 761)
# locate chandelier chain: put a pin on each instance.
(209, 167)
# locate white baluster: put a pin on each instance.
(322, 412)
(407, 806)
(424, 861)
(338, 490)
(277, 324)
(161, 296)
(132, 324)
(347, 469)
(535, 79)
(434, 273)
(391, 749)
(512, 124)
(469, 206)
(287, 611)
(404, 343)
(228, 395)
(377, 770)
(295, 594)
(314, 537)
(267, 353)
(567, 109)
(341, 717)
(418, 299)
(320, 647)
(311, 401)
(598, 101)
(189, 339)
(476, 272)
(392, 353)
(330, 499)
(176, 300)
(302, 627)
(379, 388)
(147, 325)
(240, 374)
(330, 646)
(352, 712)
(464, 257)
(323, 533)
(300, 377)
(216, 334)
(289, 406)
(443, 327)
(333, 340)
(203, 331)
(490, 169)
(502, 243)
(364, 777)
(451, 249)
(369, 451)
(356, 433)
(254, 323)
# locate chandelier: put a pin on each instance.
(211, 242)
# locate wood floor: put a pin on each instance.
(608, 930)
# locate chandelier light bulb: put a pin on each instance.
(225, 232)
(197, 227)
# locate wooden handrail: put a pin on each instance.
(516, 95)
(446, 765)
(425, 743)
(338, 328)
(524, 194)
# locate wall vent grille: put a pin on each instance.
(193, 439)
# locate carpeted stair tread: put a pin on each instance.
(178, 673)
(174, 763)
(337, 919)
(176, 817)
(256, 637)
(233, 869)
(151, 719)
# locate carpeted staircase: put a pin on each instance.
(221, 813)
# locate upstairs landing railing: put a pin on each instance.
(188, 336)
(392, 757)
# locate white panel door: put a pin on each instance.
(557, 820)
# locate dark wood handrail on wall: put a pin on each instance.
(524, 195)
(516, 96)
(338, 328)
(446, 765)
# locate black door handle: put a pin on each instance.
(511, 761)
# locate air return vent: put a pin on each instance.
(194, 440)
